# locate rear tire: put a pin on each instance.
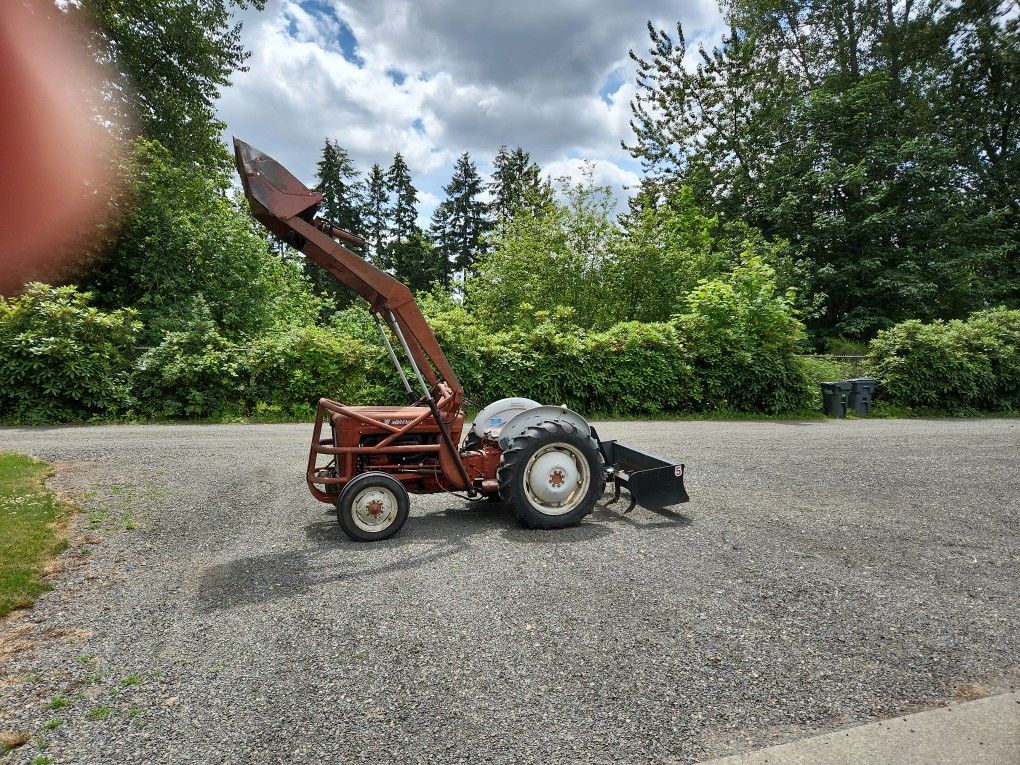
(551, 476)
(372, 506)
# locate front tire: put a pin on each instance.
(552, 475)
(372, 506)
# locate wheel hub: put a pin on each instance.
(374, 509)
(556, 478)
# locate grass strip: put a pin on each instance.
(31, 521)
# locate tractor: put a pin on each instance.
(546, 462)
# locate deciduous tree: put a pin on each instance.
(166, 62)
(833, 126)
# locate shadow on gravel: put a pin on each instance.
(334, 558)
(670, 518)
(425, 539)
(257, 579)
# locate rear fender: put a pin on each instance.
(530, 417)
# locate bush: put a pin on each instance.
(192, 373)
(641, 369)
(198, 373)
(181, 236)
(742, 335)
(733, 349)
(290, 372)
(956, 366)
(62, 360)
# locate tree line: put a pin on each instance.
(381, 206)
(865, 153)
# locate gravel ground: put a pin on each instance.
(209, 610)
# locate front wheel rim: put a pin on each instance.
(556, 479)
(374, 509)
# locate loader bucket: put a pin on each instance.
(272, 192)
(652, 482)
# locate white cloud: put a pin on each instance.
(552, 77)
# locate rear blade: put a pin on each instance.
(652, 481)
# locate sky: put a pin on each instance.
(435, 78)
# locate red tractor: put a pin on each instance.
(546, 462)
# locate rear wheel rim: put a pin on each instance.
(556, 479)
(374, 509)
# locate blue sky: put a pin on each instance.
(434, 78)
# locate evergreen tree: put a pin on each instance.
(517, 184)
(343, 193)
(343, 205)
(442, 234)
(404, 212)
(376, 214)
(408, 253)
(460, 221)
(417, 263)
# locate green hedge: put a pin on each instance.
(956, 366)
(199, 374)
(61, 359)
(731, 350)
(630, 368)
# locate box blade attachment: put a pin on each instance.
(652, 481)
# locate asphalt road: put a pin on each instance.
(209, 610)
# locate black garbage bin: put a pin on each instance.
(834, 398)
(862, 391)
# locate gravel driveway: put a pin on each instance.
(825, 573)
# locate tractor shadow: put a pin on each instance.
(330, 558)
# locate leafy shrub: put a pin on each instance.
(957, 366)
(631, 367)
(180, 236)
(733, 349)
(191, 373)
(291, 371)
(641, 368)
(62, 359)
(742, 335)
(196, 372)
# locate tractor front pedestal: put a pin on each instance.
(400, 441)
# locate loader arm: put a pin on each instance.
(287, 207)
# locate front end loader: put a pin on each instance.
(546, 462)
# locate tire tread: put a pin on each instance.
(516, 456)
